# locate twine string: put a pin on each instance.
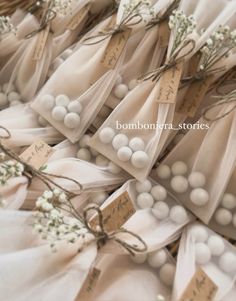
(104, 34)
(227, 99)
(47, 17)
(172, 62)
(102, 236)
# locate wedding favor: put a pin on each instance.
(209, 258)
(198, 169)
(89, 66)
(143, 114)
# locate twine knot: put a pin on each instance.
(47, 17)
(102, 236)
(118, 28)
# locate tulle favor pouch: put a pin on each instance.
(104, 177)
(25, 132)
(224, 219)
(204, 258)
(70, 21)
(147, 55)
(26, 70)
(71, 107)
(157, 216)
(206, 68)
(12, 31)
(135, 133)
(198, 169)
(118, 275)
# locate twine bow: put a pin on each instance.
(200, 76)
(158, 19)
(104, 34)
(30, 171)
(102, 236)
(172, 62)
(47, 17)
(227, 99)
(229, 78)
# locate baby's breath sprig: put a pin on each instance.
(5, 25)
(160, 17)
(54, 226)
(10, 169)
(183, 26)
(62, 7)
(220, 43)
(139, 7)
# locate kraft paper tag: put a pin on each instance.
(193, 64)
(164, 34)
(37, 154)
(42, 37)
(114, 48)
(169, 84)
(200, 288)
(194, 96)
(78, 17)
(90, 283)
(116, 213)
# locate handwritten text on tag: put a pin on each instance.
(42, 37)
(200, 288)
(194, 96)
(78, 17)
(114, 48)
(169, 84)
(37, 154)
(90, 283)
(116, 213)
(164, 34)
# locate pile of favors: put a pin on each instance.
(118, 151)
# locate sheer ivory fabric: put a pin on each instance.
(186, 267)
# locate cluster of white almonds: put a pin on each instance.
(63, 109)
(158, 260)
(184, 25)
(121, 89)
(126, 149)
(10, 169)
(9, 96)
(59, 60)
(154, 196)
(6, 25)
(53, 226)
(220, 42)
(181, 184)
(226, 214)
(89, 154)
(208, 246)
